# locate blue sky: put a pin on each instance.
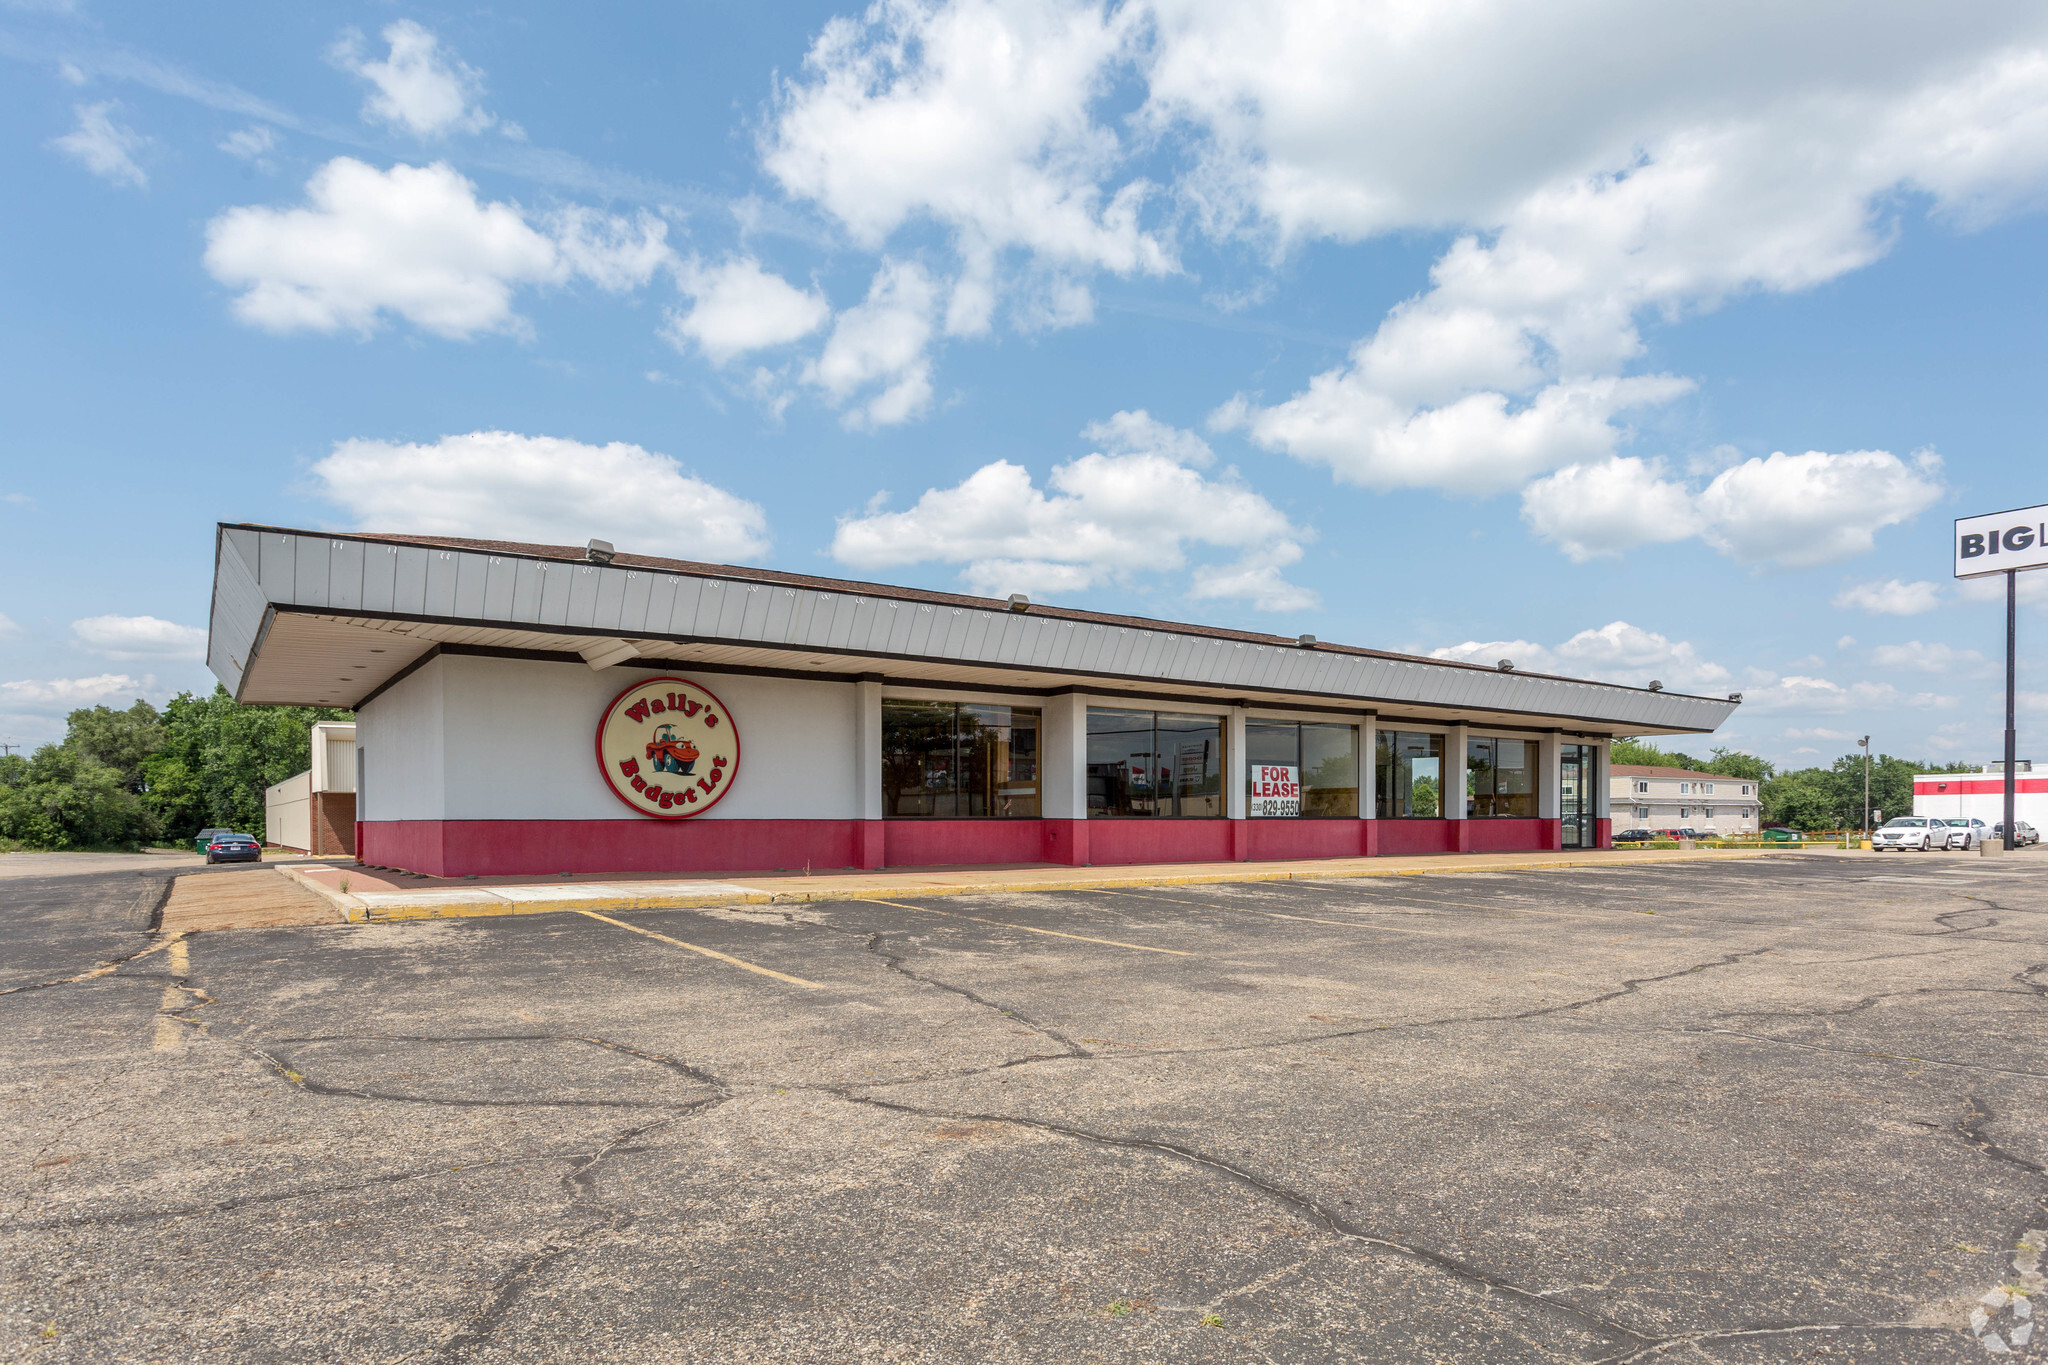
(1619, 345)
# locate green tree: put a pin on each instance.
(1633, 753)
(121, 740)
(218, 757)
(60, 798)
(1749, 767)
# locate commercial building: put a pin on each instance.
(1678, 798)
(547, 709)
(1953, 796)
(315, 812)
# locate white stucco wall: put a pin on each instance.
(399, 737)
(472, 738)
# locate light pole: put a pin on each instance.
(1864, 744)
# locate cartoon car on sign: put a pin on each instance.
(670, 752)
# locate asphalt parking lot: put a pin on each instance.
(1794, 1108)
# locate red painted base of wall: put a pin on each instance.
(454, 848)
(1603, 833)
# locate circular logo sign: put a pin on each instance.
(668, 748)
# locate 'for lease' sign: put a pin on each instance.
(1999, 541)
(1275, 790)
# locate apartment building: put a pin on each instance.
(1675, 798)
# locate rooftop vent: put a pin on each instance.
(1307, 642)
(1019, 602)
(1505, 665)
(1656, 686)
(599, 552)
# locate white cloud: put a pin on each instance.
(1107, 518)
(739, 307)
(140, 637)
(502, 485)
(1795, 511)
(1822, 734)
(1926, 658)
(7, 627)
(417, 87)
(1818, 696)
(1616, 652)
(1802, 510)
(1673, 200)
(1127, 433)
(65, 694)
(1890, 598)
(1821, 696)
(975, 114)
(253, 143)
(882, 340)
(416, 242)
(1606, 508)
(103, 146)
(2033, 589)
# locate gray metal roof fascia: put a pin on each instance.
(290, 572)
(239, 607)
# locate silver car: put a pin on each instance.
(1910, 831)
(1965, 834)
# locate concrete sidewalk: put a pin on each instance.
(360, 894)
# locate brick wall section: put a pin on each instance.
(334, 823)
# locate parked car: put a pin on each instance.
(1778, 834)
(2023, 833)
(207, 836)
(230, 847)
(1910, 831)
(1966, 834)
(1635, 836)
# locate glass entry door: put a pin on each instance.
(1575, 790)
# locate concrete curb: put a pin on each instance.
(476, 902)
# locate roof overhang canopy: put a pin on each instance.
(318, 619)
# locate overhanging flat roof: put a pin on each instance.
(313, 618)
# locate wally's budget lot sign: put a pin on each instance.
(1275, 790)
(1999, 542)
(668, 748)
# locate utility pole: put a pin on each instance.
(8, 745)
(1864, 744)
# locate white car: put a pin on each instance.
(1910, 831)
(1966, 834)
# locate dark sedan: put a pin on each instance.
(233, 848)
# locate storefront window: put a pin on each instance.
(959, 760)
(1410, 776)
(1301, 769)
(1154, 763)
(1500, 778)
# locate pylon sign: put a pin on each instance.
(2005, 542)
(2000, 542)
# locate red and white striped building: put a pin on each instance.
(1952, 796)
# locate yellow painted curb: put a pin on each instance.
(470, 905)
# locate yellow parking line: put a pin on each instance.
(707, 952)
(1005, 924)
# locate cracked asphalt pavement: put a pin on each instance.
(1793, 1108)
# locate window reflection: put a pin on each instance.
(1500, 778)
(1144, 763)
(1410, 776)
(1318, 762)
(959, 760)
